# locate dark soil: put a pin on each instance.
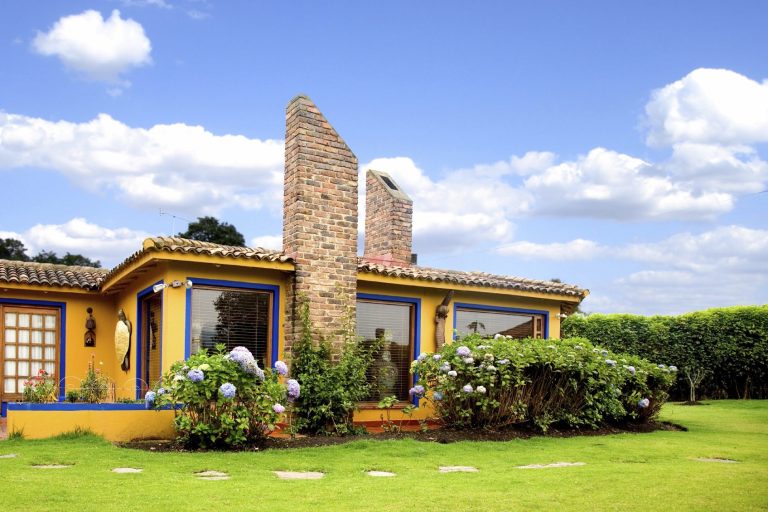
(441, 435)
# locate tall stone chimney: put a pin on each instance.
(388, 220)
(319, 221)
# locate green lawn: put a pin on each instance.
(624, 472)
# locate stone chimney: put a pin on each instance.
(319, 221)
(388, 221)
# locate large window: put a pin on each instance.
(492, 321)
(234, 317)
(28, 343)
(389, 325)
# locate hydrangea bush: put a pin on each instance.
(225, 399)
(492, 383)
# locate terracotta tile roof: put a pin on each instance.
(186, 246)
(472, 279)
(48, 274)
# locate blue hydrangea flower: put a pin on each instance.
(417, 391)
(578, 347)
(452, 373)
(445, 367)
(437, 396)
(481, 389)
(672, 368)
(604, 353)
(610, 362)
(162, 391)
(467, 388)
(437, 357)
(662, 366)
(498, 336)
(240, 355)
(421, 357)
(630, 369)
(463, 351)
(643, 403)
(279, 409)
(149, 399)
(228, 390)
(195, 375)
(281, 368)
(294, 389)
(502, 361)
(469, 360)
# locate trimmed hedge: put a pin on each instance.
(731, 344)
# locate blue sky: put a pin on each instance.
(620, 146)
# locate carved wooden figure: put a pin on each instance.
(440, 315)
(90, 328)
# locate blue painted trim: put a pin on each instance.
(62, 306)
(416, 327)
(483, 307)
(275, 290)
(3, 409)
(66, 406)
(138, 338)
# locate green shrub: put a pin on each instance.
(730, 345)
(493, 383)
(332, 390)
(226, 400)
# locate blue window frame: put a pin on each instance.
(491, 320)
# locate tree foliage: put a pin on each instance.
(729, 344)
(12, 249)
(210, 229)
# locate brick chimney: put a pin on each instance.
(388, 220)
(319, 220)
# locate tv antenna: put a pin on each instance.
(173, 220)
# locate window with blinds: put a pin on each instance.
(490, 323)
(28, 343)
(390, 326)
(234, 317)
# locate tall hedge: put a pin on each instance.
(730, 343)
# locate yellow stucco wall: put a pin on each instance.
(77, 355)
(113, 425)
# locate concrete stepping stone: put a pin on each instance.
(380, 473)
(458, 469)
(211, 475)
(716, 459)
(299, 475)
(553, 465)
(8, 456)
(52, 466)
(127, 470)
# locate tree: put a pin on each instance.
(77, 260)
(209, 229)
(12, 249)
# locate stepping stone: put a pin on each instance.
(127, 470)
(52, 466)
(8, 456)
(458, 469)
(722, 461)
(211, 475)
(299, 475)
(553, 465)
(379, 473)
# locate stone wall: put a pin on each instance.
(319, 221)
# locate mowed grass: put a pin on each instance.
(655, 471)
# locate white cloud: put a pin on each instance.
(167, 165)
(578, 249)
(274, 242)
(460, 210)
(709, 106)
(78, 236)
(99, 49)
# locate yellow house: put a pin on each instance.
(180, 296)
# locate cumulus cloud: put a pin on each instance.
(78, 236)
(460, 210)
(99, 49)
(707, 106)
(578, 249)
(167, 165)
(274, 242)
